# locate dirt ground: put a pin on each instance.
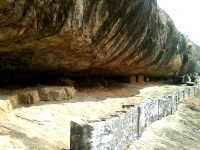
(46, 125)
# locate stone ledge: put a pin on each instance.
(10, 99)
(119, 130)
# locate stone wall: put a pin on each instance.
(117, 131)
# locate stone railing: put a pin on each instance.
(117, 131)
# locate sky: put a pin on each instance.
(186, 16)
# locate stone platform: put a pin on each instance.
(98, 118)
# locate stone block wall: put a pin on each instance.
(116, 132)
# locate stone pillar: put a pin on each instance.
(140, 78)
(133, 79)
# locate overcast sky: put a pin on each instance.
(186, 16)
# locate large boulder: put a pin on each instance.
(90, 37)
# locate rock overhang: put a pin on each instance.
(73, 38)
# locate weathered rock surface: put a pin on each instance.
(8, 102)
(56, 93)
(28, 97)
(2, 114)
(91, 37)
(69, 92)
(52, 93)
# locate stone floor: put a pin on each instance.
(46, 125)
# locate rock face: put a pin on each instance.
(90, 37)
